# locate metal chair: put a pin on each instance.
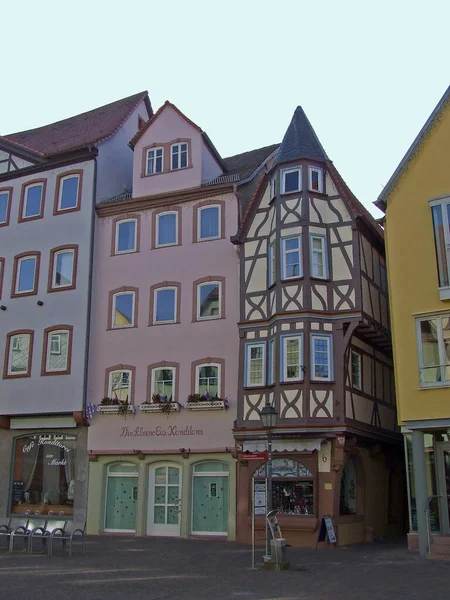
(68, 534)
(44, 535)
(24, 532)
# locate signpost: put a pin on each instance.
(255, 456)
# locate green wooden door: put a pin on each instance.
(210, 504)
(121, 498)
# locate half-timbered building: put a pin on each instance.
(315, 343)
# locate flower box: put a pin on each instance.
(206, 405)
(114, 409)
(160, 407)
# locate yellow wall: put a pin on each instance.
(412, 269)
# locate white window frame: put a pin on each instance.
(273, 188)
(130, 382)
(178, 145)
(61, 186)
(57, 336)
(133, 321)
(147, 158)
(58, 286)
(173, 369)
(199, 223)
(162, 214)
(25, 201)
(6, 193)
(155, 305)
(118, 224)
(10, 355)
(15, 343)
(199, 286)
(197, 376)
(283, 257)
(354, 354)
(441, 346)
(271, 267)
(285, 172)
(444, 291)
(271, 359)
(248, 348)
(284, 375)
(320, 179)
(49, 350)
(328, 339)
(19, 262)
(323, 250)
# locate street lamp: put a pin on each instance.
(268, 417)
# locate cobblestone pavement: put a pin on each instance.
(160, 569)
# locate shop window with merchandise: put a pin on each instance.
(43, 480)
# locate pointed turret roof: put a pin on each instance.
(300, 141)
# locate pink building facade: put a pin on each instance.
(164, 341)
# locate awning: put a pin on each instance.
(306, 445)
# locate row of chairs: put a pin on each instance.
(46, 530)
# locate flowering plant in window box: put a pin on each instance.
(206, 402)
(115, 406)
(160, 403)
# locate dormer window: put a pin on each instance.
(316, 179)
(179, 156)
(155, 161)
(291, 180)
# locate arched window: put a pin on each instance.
(348, 489)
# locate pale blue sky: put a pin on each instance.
(367, 74)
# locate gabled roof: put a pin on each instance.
(300, 141)
(244, 164)
(382, 198)
(86, 129)
(150, 122)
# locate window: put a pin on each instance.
(163, 384)
(319, 263)
(207, 380)
(126, 236)
(440, 211)
(68, 192)
(209, 226)
(5, 205)
(291, 180)
(271, 370)
(292, 486)
(2, 274)
(179, 156)
(165, 305)
(32, 200)
(63, 264)
(19, 347)
(119, 385)
(291, 254)
(167, 229)
(155, 161)
(433, 336)
(44, 475)
(25, 274)
(272, 264)
(355, 358)
(273, 187)
(209, 300)
(316, 179)
(348, 489)
(255, 365)
(123, 310)
(57, 351)
(321, 358)
(292, 358)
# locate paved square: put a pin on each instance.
(161, 569)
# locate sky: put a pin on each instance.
(368, 74)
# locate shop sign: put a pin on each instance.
(255, 456)
(41, 441)
(159, 431)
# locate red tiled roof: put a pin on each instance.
(80, 131)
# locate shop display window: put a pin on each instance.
(348, 489)
(292, 486)
(44, 475)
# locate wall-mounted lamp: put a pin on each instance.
(40, 303)
(2, 307)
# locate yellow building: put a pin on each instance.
(416, 201)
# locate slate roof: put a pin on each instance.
(244, 164)
(80, 131)
(300, 140)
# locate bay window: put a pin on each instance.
(255, 364)
(321, 357)
(292, 358)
